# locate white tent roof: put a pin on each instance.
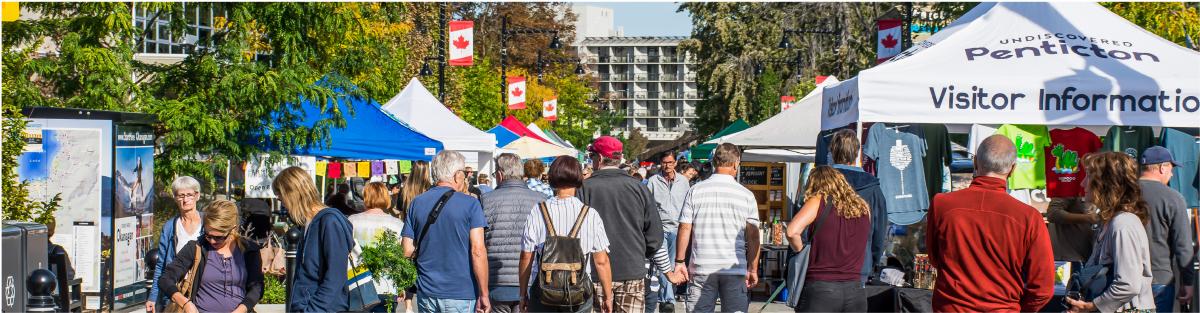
(423, 112)
(538, 130)
(796, 127)
(530, 148)
(1001, 63)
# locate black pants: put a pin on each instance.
(830, 296)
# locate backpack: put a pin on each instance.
(561, 276)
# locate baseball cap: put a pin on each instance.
(1156, 155)
(605, 146)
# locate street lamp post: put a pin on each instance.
(505, 32)
(441, 56)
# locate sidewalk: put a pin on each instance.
(679, 308)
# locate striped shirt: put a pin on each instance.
(563, 212)
(719, 209)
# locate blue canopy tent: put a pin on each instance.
(503, 135)
(369, 134)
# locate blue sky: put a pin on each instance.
(649, 18)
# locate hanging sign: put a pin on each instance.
(461, 43)
(516, 93)
(550, 109)
(888, 42)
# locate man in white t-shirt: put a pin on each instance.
(720, 217)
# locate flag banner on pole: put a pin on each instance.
(888, 42)
(821, 79)
(550, 109)
(461, 43)
(516, 93)
(786, 102)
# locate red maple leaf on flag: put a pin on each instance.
(461, 43)
(889, 42)
(549, 107)
(517, 92)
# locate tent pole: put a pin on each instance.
(858, 132)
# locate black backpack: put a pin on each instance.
(561, 276)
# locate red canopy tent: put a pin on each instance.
(512, 124)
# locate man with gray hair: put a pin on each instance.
(992, 252)
(506, 209)
(444, 230)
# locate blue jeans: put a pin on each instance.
(666, 290)
(433, 305)
(1164, 297)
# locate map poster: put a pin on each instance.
(69, 164)
(132, 216)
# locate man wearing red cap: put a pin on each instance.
(630, 219)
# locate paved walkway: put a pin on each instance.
(754, 307)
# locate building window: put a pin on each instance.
(158, 37)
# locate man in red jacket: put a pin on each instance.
(992, 252)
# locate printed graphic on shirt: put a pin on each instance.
(1067, 162)
(1132, 152)
(1025, 150)
(901, 157)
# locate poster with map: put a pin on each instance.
(69, 164)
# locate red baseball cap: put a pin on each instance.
(605, 146)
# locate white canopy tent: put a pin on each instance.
(531, 148)
(790, 136)
(419, 109)
(1028, 63)
(553, 139)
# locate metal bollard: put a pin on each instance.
(293, 237)
(40, 285)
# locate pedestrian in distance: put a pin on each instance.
(669, 190)
(843, 229)
(631, 221)
(373, 222)
(560, 226)
(176, 232)
(534, 169)
(228, 277)
(417, 183)
(719, 223)
(323, 255)
(982, 265)
(444, 234)
(507, 210)
(1122, 244)
(1168, 228)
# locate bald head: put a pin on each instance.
(995, 157)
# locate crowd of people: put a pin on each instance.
(578, 237)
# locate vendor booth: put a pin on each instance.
(503, 135)
(515, 126)
(420, 110)
(530, 148)
(1053, 77)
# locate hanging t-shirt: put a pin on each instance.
(899, 159)
(1185, 148)
(1064, 171)
(1132, 140)
(1031, 142)
(937, 154)
(977, 135)
(335, 170)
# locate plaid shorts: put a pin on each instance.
(629, 296)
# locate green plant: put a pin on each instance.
(274, 291)
(385, 258)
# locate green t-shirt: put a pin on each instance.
(1133, 140)
(1031, 141)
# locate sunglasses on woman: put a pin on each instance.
(216, 239)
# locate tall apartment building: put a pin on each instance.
(648, 80)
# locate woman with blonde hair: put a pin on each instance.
(229, 276)
(322, 259)
(418, 182)
(1122, 246)
(372, 222)
(841, 229)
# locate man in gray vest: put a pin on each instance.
(506, 209)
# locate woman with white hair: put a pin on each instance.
(176, 232)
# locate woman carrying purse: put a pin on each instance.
(221, 270)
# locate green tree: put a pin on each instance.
(1174, 21)
(634, 144)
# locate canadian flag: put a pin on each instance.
(888, 44)
(461, 43)
(786, 102)
(550, 109)
(516, 93)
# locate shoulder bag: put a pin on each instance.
(185, 284)
(274, 258)
(798, 263)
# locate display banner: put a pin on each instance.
(516, 93)
(260, 173)
(889, 42)
(550, 109)
(461, 43)
(1030, 63)
(133, 215)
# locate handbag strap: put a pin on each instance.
(817, 225)
(191, 278)
(433, 215)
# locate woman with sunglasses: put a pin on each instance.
(176, 232)
(229, 276)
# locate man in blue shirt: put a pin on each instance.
(452, 268)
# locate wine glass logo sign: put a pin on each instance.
(901, 158)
